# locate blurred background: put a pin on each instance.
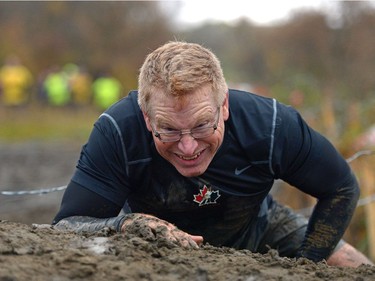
(63, 63)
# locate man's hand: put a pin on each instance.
(151, 227)
(348, 256)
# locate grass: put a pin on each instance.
(43, 123)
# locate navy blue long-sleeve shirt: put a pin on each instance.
(264, 140)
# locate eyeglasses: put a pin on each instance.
(200, 132)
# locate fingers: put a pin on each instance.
(151, 228)
(183, 239)
(197, 239)
(171, 233)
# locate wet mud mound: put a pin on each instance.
(39, 252)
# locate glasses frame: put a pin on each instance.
(188, 131)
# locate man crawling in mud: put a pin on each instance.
(186, 155)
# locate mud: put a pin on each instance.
(30, 249)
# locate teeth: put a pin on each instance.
(190, 158)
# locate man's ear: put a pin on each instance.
(147, 120)
(226, 107)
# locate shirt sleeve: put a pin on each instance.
(102, 164)
(307, 160)
(79, 201)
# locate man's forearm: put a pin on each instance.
(328, 223)
(152, 228)
(83, 224)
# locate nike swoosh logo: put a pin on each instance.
(239, 172)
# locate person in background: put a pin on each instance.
(106, 91)
(189, 158)
(16, 82)
(80, 87)
(56, 88)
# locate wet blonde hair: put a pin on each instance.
(177, 69)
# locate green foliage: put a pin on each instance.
(102, 35)
(116, 36)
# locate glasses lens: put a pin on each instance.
(170, 137)
(200, 133)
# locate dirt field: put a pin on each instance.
(31, 250)
(34, 166)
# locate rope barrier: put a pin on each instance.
(361, 202)
(358, 154)
(33, 192)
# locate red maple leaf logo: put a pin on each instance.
(201, 196)
(206, 196)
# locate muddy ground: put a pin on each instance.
(31, 250)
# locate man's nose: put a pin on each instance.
(187, 144)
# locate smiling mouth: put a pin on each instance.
(190, 157)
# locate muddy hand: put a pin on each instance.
(151, 227)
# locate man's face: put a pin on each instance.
(190, 156)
